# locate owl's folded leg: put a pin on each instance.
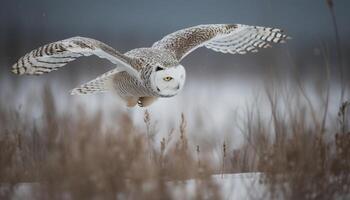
(130, 101)
(146, 101)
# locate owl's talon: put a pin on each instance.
(139, 103)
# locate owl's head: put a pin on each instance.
(168, 81)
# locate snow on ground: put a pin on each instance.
(215, 109)
(231, 186)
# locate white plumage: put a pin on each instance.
(144, 74)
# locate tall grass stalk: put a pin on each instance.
(326, 106)
(339, 58)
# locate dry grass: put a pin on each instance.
(300, 158)
(78, 158)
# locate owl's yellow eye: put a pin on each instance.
(167, 78)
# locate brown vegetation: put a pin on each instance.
(79, 158)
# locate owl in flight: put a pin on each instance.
(142, 75)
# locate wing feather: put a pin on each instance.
(102, 83)
(51, 57)
(225, 38)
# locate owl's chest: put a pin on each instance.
(126, 85)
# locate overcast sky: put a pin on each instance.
(137, 23)
(154, 18)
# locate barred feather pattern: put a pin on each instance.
(45, 59)
(225, 38)
(126, 85)
(102, 83)
(51, 57)
(246, 39)
(120, 81)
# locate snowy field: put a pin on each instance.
(213, 105)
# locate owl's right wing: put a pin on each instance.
(224, 38)
(52, 56)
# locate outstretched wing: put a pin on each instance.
(225, 38)
(52, 56)
(102, 83)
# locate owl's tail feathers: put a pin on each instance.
(102, 83)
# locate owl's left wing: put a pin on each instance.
(102, 83)
(225, 38)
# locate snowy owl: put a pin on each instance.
(142, 75)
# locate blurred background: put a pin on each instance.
(218, 86)
(277, 112)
